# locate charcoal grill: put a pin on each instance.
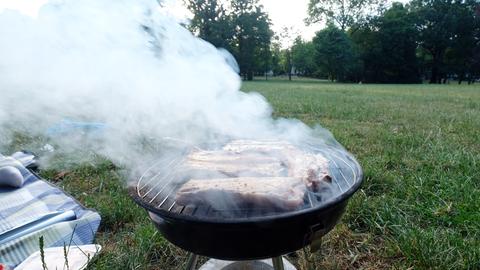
(244, 234)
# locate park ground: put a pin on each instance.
(419, 146)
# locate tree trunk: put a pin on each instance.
(437, 55)
(250, 75)
(434, 75)
(266, 63)
(289, 63)
(471, 79)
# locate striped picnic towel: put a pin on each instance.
(40, 209)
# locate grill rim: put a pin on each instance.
(132, 190)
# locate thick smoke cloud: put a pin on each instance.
(128, 64)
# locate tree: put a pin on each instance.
(277, 59)
(387, 45)
(460, 56)
(287, 38)
(252, 36)
(342, 13)
(475, 61)
(397, 36)
(444, 25)
(262, 58)
(211, 22)
(302, 57)
(243, 29)
(334, 53)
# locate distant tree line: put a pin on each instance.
(240, 26)
(363, 41)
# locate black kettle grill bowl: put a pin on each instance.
(248, 238)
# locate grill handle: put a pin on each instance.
(314, 237)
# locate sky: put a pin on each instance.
(283, 13)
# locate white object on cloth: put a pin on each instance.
(25, 158)
(11, 176)
(10, 169)
(9, 161)
(78, 258)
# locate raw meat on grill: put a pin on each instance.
(267, 158)
(234, 164)
(283, 193)
(266, 174)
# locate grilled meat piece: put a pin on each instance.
(312, 168)
(282, 193)
(234, 164)
(266, 174)
(242, 146)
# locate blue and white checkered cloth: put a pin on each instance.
(40, 209)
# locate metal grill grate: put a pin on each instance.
(158, 184)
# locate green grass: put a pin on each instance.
(419, 207)
(420, 150)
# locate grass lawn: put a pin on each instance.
(419, 207)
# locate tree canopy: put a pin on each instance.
(333, 52)
(342, 13)
(252, 36)
(303, 57)
(211, 22)
(443, 26)
(243, 29)
(387, 46)
(364, 40)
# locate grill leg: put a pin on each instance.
(192, 261)
(278, 263)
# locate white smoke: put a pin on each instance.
(128, 64)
